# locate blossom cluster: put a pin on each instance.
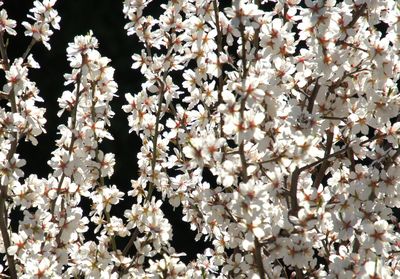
(272, 125)
(293, 108)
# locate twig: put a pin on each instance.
(28, 49)
(258, 258)
(325, 163)
(219, 50)
(313, 96)
(356, 15)
(155, 139)
(73, 137)
(296, 173)
(10, 154)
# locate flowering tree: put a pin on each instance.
(292, 107)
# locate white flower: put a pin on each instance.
(107, 163)
(111, 196)
(299, 252)
(82, 44)
(375, 269)
(377, 237)
(7, 24)
(18, 241)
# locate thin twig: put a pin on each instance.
(325, 163)
(73, 137)
(10, 155)
(28, 49)
(313, 96)
(296, 173)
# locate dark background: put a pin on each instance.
(106, 20)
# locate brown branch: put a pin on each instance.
(28, 49)
(73, 137)
(294, 205)
(155, 139)
(3, 52)
(256, 39)
(313, 96)
(161, 85)
(221, 77)
(128, 246)
(391, 160)
(219, 49)
(296, 173)
(3, 96)
(350, 155)
(334, 118)
(243, 101)
(340, 152)
(325, 164)
(352, 46)
(6, 237)
(356, 15)
(299, 273)
(258, 258)
(10, 154)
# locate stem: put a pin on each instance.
(129, 245)
(299, 273)
(73, 138)
(258, 258)
(297, 171)
(313, 96)
(113, 243)
(350, 155)
(131, 241)
(243, 102)
(4, 188)
(6, 237)
(257, 253)
(219, 50)
(28, 49)
(158, 114)
(325, 163)
(11, 95)
(356, 15)
(256, 39)
(294, 206)
(3, 51)
(155, 139)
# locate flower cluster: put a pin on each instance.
(273, 126)
(44, 16)
(293, 107)
(51, 235)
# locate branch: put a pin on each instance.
(258, 258)
(356, 15)
(28, 49)
(243, 102)
(392, 160)
(155, 140)
(10, 154)
(219, 50)
(73, 138)
(294, 205)
(325, 163)
(296, 173)
(313, 96)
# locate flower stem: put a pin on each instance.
(10, 154)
